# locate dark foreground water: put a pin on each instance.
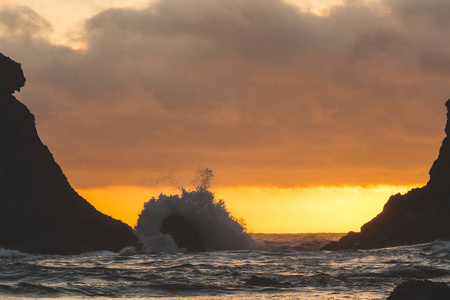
(295, 259)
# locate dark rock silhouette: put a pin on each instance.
(440, 171)
(265, 281)
(11, 76)
(421, 215)
(420, 290)
(39, 211)
(184, 235)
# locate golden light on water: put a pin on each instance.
(268, 210)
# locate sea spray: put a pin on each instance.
(216, 227)
(7, 253)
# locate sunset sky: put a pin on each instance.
(310, 113)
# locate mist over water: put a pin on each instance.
(216, 227)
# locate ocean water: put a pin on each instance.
(292, 259)
(164, 271)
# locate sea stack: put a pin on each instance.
(421, 215)
(39, 211)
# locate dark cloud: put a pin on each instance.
(431, 12)
(257, 90)
(22, 22)
(255, 29)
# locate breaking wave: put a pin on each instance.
(7, 253)
(297, 241)
(216, 227)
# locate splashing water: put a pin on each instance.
(216, 227)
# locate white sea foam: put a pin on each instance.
(441, 247)
(97, 253)
(128, 251)
(217, 229)
(7, 253)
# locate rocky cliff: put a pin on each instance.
(421, 215)
(39, 211)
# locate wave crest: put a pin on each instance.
(7, 253)
(216, 227)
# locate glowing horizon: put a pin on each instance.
(298, 210)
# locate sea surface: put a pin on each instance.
(294, 260)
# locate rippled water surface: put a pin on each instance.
(291, 259)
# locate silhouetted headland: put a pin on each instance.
(421, 215)
(39, 211)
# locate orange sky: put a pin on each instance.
(300, 101)
(268, 209)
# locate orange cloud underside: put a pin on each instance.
(268, 210)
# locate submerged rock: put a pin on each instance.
(421, 215)
(184, 235)
(420, 290)
(39, 211)
(265, 281)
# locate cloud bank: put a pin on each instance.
(258, 90)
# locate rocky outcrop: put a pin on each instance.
(265, 281)
(11, 76)
(421, 215)
(420, 290)
(440, 171)
(39, 211)
(184, 235)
